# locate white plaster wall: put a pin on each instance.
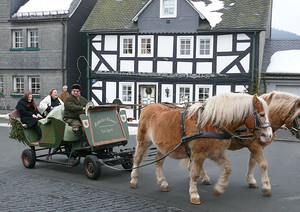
(242, 37)
(242, 46)
(127, 65)
(145, 66)
(223, 62)
(97, 84)
(204, 68)
(110, 43)
(240, 89)
(111, 91)
(95, 61)
(164, 67)
(97, 46)
(246, 63)
(184, 67)
(164, 97)
(97, 93)
(233, 70)
(165, 46)
(97, 38)
(223, 89)
(224, 43)
(111, 60)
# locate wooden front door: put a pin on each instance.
(147, 94)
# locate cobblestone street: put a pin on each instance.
(28, 192)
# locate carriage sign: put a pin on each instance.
(103, 127)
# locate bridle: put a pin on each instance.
(295, 126)
(258, 125)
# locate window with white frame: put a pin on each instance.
(168, 8)
(34, 84)
(1, 85)
(127, 46)
(33, 38)
(203, 92)
(17, 37)
(184, 93)
(185, 47)
(146, 46)
(19, 84)
(204, 46)
(126, 92)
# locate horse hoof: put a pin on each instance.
(216, 192)
(206, 182)
(165, 188)
(195, 201)
(267, 191)
(132, 185)
(253, 185)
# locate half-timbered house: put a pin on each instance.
(145, 51)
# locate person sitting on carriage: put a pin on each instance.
(74, 107)
(29, 112)
(49, 102)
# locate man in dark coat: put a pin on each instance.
(29, 113)
(74, 107)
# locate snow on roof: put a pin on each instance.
(44, 7)
(210, 11)
(285, 62)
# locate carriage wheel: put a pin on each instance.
(28, 158)
(91, 167)
(128, 164)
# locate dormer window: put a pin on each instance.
(168, 8)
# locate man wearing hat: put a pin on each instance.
(74, 107)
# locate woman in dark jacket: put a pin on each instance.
(29, 113)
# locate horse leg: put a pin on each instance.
(263, 165)
(205, 178)
(195, 169)
(222, 183)
(250, 173)
(161, 180)
(140, 153)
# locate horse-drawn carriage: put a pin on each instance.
(105, 130)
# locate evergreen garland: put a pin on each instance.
(17, 131)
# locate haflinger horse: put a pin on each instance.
(206, 128)
(284, 110)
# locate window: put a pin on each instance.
(127, 46)
(185, 47)
(34, 85)
(146, 46)
(33, 38)
(18, 84)
(127, 93)
(203, 92)
(1, 85)
(17, 39)
(184, 93)
(168, 8)
(205, 46)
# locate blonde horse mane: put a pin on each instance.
(281, 101)
(224, 109)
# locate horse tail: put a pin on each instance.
(185, 163)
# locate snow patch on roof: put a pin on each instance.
(210, 10)
(285, 62)
(44, 7)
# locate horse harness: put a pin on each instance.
(295, 126)
(226, 135)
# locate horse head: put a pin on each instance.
(258, 121)
(292, 121)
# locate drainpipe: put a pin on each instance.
(63, 51)
(88, 69)
(253, 62)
